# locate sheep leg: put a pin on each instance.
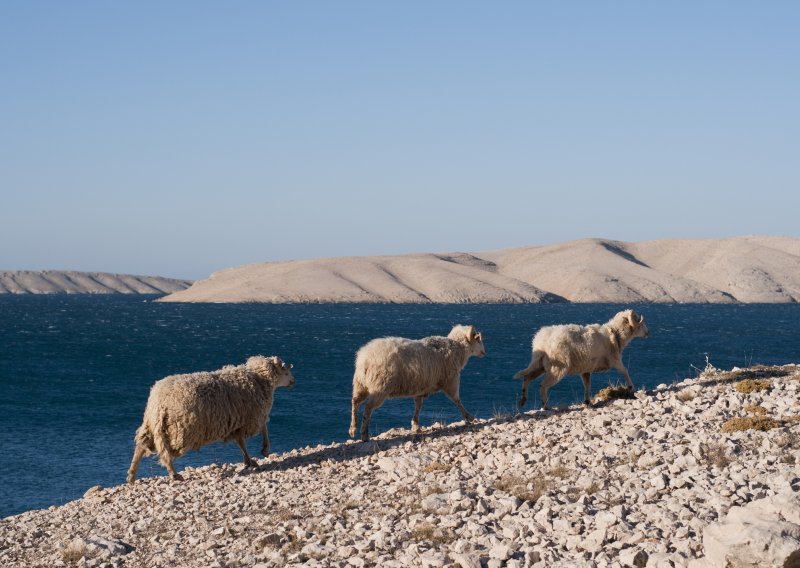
(621, 368)
(264, 441)
(373, 402)
(138, 454)
(418, 400)
(587, 388)
(548, 381)
(457, 401)
(248, 461)
(166, 461)
(524, 398)
(525, 384)
(358, 397)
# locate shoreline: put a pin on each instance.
(623, 480)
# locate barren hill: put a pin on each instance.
(68, 282)
(739, 269)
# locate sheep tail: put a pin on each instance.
(144, 438)
(159, 435)
(533, 370)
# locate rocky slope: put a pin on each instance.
(652, 480)
(69, 282)
(741, 269)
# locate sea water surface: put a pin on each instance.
(75, 371)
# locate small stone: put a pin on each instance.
(605, 519)
(634, 557)
(466, 560)
(600, 421)
(659, 482)
(501, 552)
(594, 541)
(648, 461)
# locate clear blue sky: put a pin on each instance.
(178, 138)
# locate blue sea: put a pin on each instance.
(75, 371)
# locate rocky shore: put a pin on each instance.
(683, 474)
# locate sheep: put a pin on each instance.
(186, 412)
(392, 367)
(561, 350)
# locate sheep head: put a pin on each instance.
(471, 337)
(272, 368)
(633, 323)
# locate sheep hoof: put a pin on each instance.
(469, 418)
(415, 428)
(352, 432)
(365, 437)
(522, 402)
(588, 403)
(177, 477)
(265, 453)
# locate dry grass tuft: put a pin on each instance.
(292, 544)
(431, 489)
(76, 550)
(748, 386)
(611, 393)
(593, 488)
(788, 441)
(283, 514)
(517, 486)
(559, 471)
(739, 424)
(343, 507)
(437, 467)
(756, 409)
(502, 415)
(755, 372)
(427, 532)
(686, 395)
(715, 454)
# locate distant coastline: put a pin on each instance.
(72, 282)
(750, 269)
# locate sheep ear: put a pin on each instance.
(290, 366)
(478, 337)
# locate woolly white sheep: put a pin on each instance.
(186, 412)
(392, 367)
(561, 350)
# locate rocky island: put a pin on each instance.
(72, 282)
(757, 269)
(702, 472)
